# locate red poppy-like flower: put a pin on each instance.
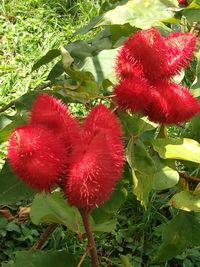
(97, 160)
(144, 65)
(171, 103)
(36, 155)
(132, 94)
(52, 113)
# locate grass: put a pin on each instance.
(28, 30)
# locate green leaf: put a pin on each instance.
(11, 188)
(165, 177)
(56, 71)
(45, 258)
(140, 14)
(16, 121)
(134, 124)
(192, 14)
(187, 201)
(143, 170)
(196, 83)
(102, 66)
(194, 131)
(53, 208)
(180, 233)
(125, 261)
(108, 210)
(182, 149)
(50, 55)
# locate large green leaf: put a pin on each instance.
(108, 210)
(14, 122)
(192, 14)
(180, 233)
(46, 258)
(143, 169)
(134, 124)
(165, 176)
(102, 66)
(50, 55)
(11, 188)
(182, 149)
(53, 208)
(185, 200)
(140, 14)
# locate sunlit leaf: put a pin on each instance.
(165, 176)
(185, 200)
(182, 149)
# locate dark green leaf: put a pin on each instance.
(180, 233)
(53, 208)
(50, 55)
(134, 125)
(56, 71)
(45, 258)
(11, 188)
(108, 210)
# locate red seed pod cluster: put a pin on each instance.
(183, 2)
(85, 160)
(144, 65)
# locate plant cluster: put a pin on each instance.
(87, 179)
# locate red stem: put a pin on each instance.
(93, 252)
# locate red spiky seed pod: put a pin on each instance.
(180, 48)
(183, 2)
(143, 54)
(52, 113)
(102, 120)
(92, 174)
(171, 104)
(36, 156)
(132, 94)
(97, 161)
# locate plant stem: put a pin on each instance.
(85, 214)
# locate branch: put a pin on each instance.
(85, 214)
(12, 103)
(44, 236)
(189, 178)
(84, 255)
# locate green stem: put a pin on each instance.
(85, 214)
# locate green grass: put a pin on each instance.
(28, 30)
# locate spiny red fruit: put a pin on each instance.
(171, 103)
(132, 94)
(96, 162)
(52, 113)
(180, 49)
(144, 52)
(102, 120)
(183, 2)
(36, 155)
(92, 176)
